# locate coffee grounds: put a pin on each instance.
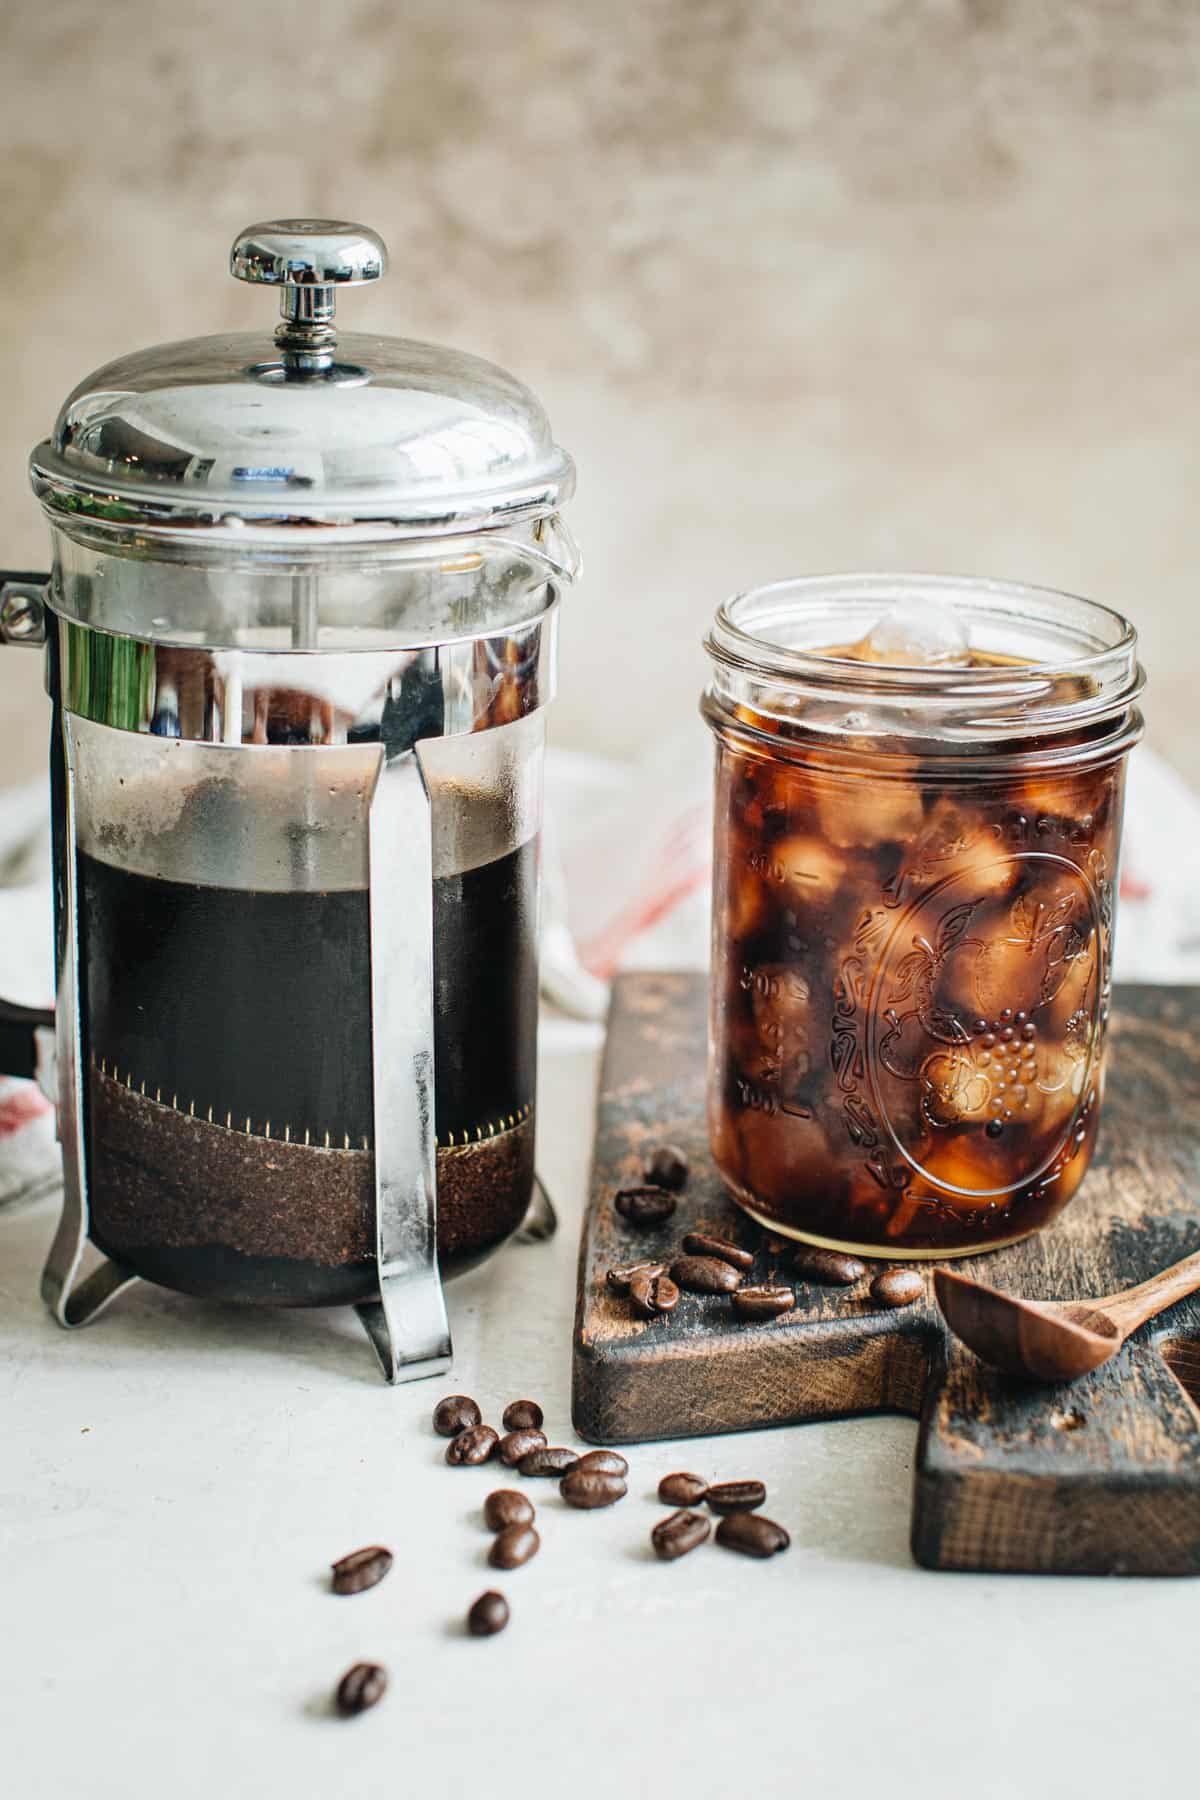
(162, 1180)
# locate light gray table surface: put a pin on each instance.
(175, 1480)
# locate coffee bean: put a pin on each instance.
(768, 1301)
(753, 1535)
(610, 1461)
(513, 1546)
(360, 1570)
(506, 1507)
(474, 1445)
(829, 1267)
(361, 1687)
(705, 1275)
(668, 1167)
(897, 1287)
(522, 1415)
(588, 1488)
(457, 1412)
(548, 1462)
(653, 1296)
(698, 1243)
(675, 1536)
(621, 1275)
(736, 1496)
(518, 1444)
(682, 1490)
(645, 1206)
(488, 1615)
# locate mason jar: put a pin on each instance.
(915, 876)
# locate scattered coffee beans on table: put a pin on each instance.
(551, 1461)
(673, 1537)
(506, 1507)
(488, 1615)
(767, 1301)
(474, 1445)
(644, 1206)
(753, 1535)
(705, 1275)
(361, 1687)
(735, 1496)
(514, 1546)
(653, 1296)
(682, 1489)
(588, 1488)
(457, 1412)
(611, 1461)
(518, 1444)
(698, 1243)
(830, 1267)
(668, 1167)
(897, 1287)
(360, 1570)
(522, 1415)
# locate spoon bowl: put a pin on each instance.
(1054, 1340)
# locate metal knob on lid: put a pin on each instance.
(308, 260)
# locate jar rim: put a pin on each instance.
(1077, 658)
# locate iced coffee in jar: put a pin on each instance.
(918, 820)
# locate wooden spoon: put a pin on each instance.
(1054, 1340)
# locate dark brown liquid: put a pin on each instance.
(910, 988)
(231, 1118)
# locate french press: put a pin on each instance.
(299, 634)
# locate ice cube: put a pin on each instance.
(923, 633)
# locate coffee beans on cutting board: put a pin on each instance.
(699, 1243)
(829, 1267)
(644, 1206)
(705, 1275)
(897, 1287)
(667, 1167)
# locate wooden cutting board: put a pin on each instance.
(1101, 1477)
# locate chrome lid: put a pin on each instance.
(309, 435)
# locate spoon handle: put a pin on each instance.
(1135, 1305)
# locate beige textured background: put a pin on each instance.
(804, 285)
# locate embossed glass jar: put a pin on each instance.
(914, 884)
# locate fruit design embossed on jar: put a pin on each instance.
(913, 909)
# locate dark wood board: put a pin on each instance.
(1101, 1477)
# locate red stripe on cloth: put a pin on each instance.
(20, 1105)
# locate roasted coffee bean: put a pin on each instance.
(587, 1488)
(705, 1275)
(668, 1167)
(768, 1301)
(488, 1615)
(457, 1412)
(361, 1687)
(518, 1444)
(897, 1287)
(828, 1267)
(736, 1496)
(698, 1243)
(610, 1461)
(621, 1275)
(653, 1296)
(360, 1570)
(753, 1535)
(514, 1546)
(522, 1415)
(645, 1205)
(548, 1462)
(506, 1507)
(675, 1536)
(682, 1490)
(474, 1445)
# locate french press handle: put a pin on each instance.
(22, 1051)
